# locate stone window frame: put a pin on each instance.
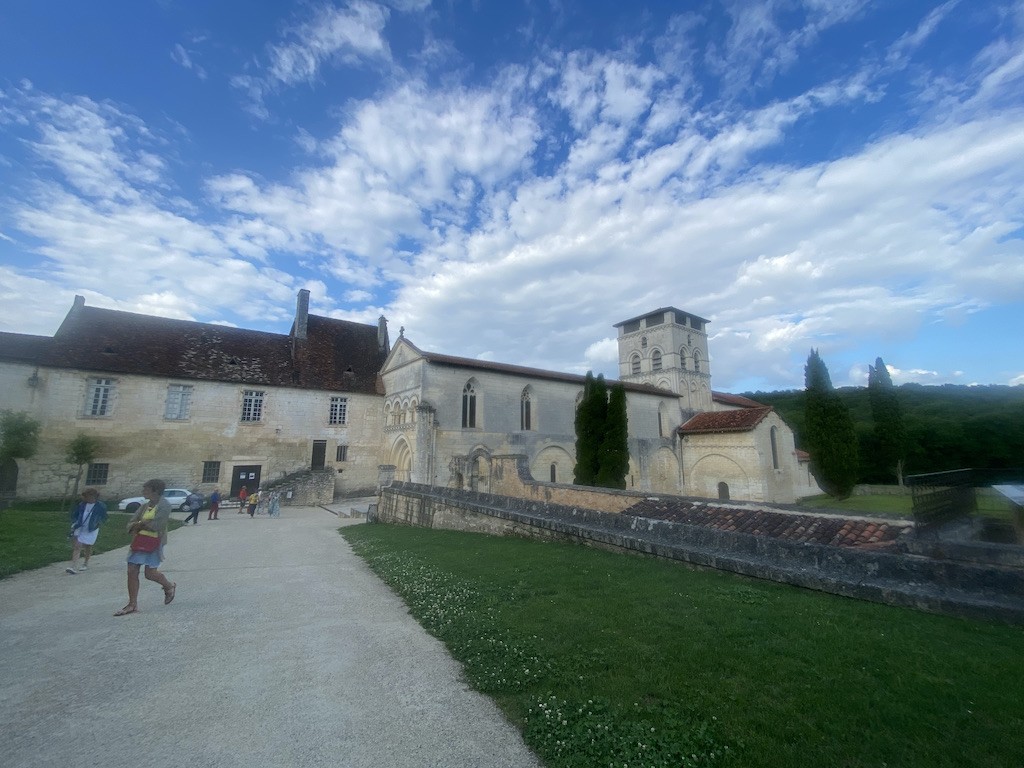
(337, 415)
(341, 452)
(98, 473)
(635, 364)
(527, 422)
(178, 406)
(211, 471)
(253, 402)
(656, 359)
(470, 404)
(99, 397)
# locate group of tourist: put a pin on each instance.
(148, 527)
(259, 501)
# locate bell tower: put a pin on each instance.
(668, 348)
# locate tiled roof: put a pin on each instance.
(736, 400)
(537, 373)
(336, 355)
(724, 421)
(791, 526)
(22, 347)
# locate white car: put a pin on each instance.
(175, 497)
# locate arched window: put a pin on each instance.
(634, 364)
(525, 411)
(387, 415)
(682, 358)
(554, 473)
(723, 491)
(656, 360)
(775, 447)
(469, 406)
(696, 361)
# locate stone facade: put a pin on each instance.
(206, 407)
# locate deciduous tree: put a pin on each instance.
(81, 451)
(19, 435)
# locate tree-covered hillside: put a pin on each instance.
(948, 427)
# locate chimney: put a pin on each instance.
(79, 302)
(301, 314)
(383, 345)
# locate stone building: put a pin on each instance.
(199, 405)
(209, 406)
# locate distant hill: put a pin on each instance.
(949, 427)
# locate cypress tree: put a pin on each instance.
(830, 433)
(889, 429)
(614, 452)
(589, 424)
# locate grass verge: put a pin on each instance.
(613, 660)
(31, 538)
(869, 504)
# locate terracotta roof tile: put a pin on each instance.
(725, 421)
(791, 526)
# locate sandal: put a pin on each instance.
(127, 609)
(169, 594)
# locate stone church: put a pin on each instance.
(207, 406)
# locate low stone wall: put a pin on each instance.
(307, 489)
(510, 476)
(893, 577)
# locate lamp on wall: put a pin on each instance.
(33, 380)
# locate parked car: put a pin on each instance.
(175, 497)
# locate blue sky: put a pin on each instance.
(508, 180)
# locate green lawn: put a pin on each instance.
(873, 504)
(33, 535)
(606, 659)
(988, 503)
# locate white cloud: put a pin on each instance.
(180, 55)
(519, 218)
(351, 35)
(347, 35)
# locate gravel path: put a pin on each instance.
(280, 649)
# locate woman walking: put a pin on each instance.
(86, 520)
(149, 526)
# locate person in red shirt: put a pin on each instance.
(243, 494)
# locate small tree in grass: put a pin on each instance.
(81, 451)
(19, 435)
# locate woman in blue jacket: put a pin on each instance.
(86, 520)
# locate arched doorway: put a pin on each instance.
(723, 491)
(480, 472)
(401, 457)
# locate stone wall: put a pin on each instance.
(306, 489)
(893, 577)
(510, 476)
(139, 443)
